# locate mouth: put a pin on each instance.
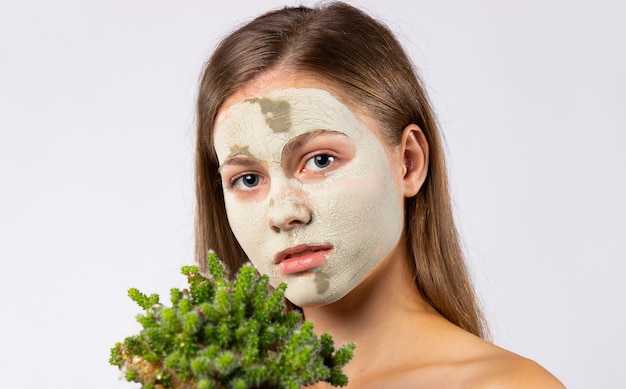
(302, 258)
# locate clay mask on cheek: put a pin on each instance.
(353, 216)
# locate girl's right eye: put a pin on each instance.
(246, 181)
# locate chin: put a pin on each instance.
(306, 299)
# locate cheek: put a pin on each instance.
(249, 224)
(362, 207)
(246, 221)
(365, 208)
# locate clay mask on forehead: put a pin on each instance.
(319, 224)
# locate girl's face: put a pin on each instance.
(310, 191)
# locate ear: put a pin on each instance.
(414, 148)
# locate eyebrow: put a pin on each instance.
(240, 160)
(298, 141)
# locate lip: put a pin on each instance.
(301, 258)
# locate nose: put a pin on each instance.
(288, 211)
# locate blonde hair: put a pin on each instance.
(363, 59)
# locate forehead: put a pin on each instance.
(284, 114)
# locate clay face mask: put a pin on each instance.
(308, 190)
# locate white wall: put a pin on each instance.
(96, 194)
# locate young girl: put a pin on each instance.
(319, 160)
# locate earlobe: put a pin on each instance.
(414, 148)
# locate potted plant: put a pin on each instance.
(222, 334)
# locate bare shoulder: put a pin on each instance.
(467, 361)
(504, 371)
(441, 355)
(499, 368)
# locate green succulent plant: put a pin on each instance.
(222, 334)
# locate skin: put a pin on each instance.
(402, 342)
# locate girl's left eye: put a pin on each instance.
(319, 162)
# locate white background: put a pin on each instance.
(96, 187)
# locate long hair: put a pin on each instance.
(362, 58)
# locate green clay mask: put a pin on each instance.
(308, 191)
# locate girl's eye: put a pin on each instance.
(247, 181)
(319, 162)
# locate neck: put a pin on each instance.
(381, 309)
